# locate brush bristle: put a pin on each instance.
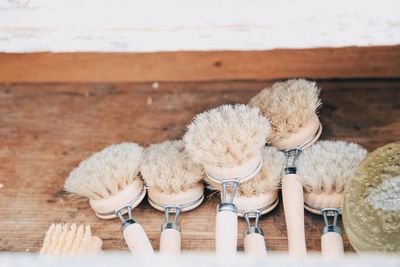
(325, 166)
(65, 239)
(105, 173)
(168, 167)
(226, 136)
(288, 105)
(269, 177)
(267, 180)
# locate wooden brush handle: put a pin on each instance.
(137, 240)
(254, 245)
(332, 245)
(226, 233)
(170, 241)
(293, 203)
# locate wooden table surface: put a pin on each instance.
(47, 129)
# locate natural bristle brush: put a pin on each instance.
(371, 208)
(174, 183)
(257, 197)
(324, 169)
(228, 142)
(70, 240)
(110, 180)
(291, 108)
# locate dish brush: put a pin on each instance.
(174, 183)
(291, 107)
(110, 180)
(227, 141)
(371, 212)
(70, 240)
(324, 169)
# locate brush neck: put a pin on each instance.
(304, 137)
(184, 200)
(131, 196)
(315, 202)
(262, 203)
(239, 173)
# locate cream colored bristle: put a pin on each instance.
(325, 166)
(105, 173)
(226, 136)
(66, 239)
(168, 167)
(269, 177)
(288, 105)
(267, 180)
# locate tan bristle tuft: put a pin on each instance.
(168, 167)
(66, 239)
(269, 177)
(325, 166)
(267, 180)
(226, 136)
(105, 173)
(288, 105)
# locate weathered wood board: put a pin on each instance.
(91, 67)
(47, 129)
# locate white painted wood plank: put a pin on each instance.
(173, 25)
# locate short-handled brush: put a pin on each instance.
(291, 108)
(110, 180)
(70, 240)
(324, 169)
(174, 183)
(227, 141)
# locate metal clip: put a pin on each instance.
(227, 205)
(225, 184)
(331, 212)
(174, 224)
(256, 228)
(129, 220)
(290, 159)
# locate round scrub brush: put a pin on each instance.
(228, 142)
(371, 212)
(258, 197)
(110, 180)
(70, 240)
(174, 183)
(324, 169)
(291, 107)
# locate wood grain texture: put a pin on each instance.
(47, 129)
(349, 62)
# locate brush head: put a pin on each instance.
(67, 240)
(269, 177)
(260, 193)
(109, 179)
(324, 169)
(291, 109)
(227, 140)
(371, 212)
(171, 176)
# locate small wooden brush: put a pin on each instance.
(110, 180)
(70, 240)
(291, 108)
(227, 141)
(324, 169)
(174, 183)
